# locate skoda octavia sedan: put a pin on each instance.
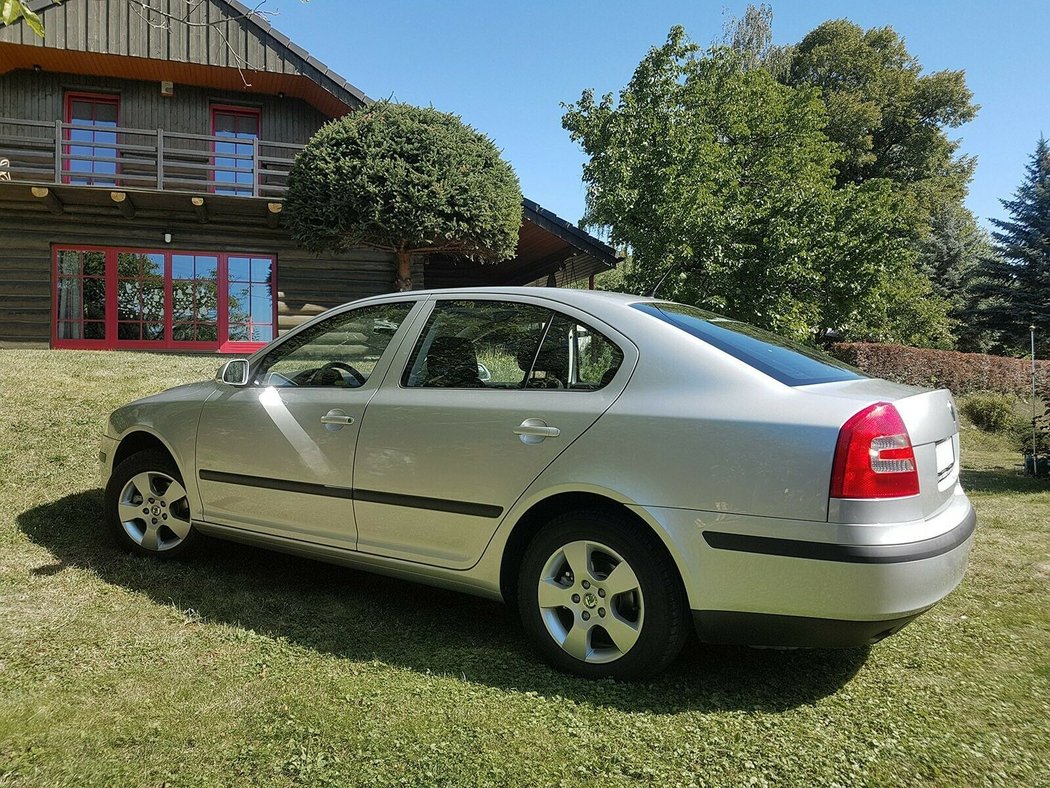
(617, 467)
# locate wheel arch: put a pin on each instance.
(543, 511)
(139, 439)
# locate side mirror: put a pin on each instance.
(234, 372)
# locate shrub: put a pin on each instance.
(989, 411)
(963, 373)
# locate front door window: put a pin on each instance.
(340, 352)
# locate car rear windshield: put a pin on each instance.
(789, 362)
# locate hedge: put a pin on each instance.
(962, 373)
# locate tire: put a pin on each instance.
(146, 508)
(625, 618)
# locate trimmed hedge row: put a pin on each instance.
(962, 373)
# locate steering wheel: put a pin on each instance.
(342, 367)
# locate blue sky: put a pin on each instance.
(506, 66)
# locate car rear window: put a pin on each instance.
(789, 362)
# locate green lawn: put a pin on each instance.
(256, 668)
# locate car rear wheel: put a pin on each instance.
(599, 597)
(146, 506)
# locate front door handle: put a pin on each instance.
(336, 419)
(535, 430)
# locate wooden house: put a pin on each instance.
(143, 159)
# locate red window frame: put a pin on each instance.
(97, 98)
(227, 109)
(111, 342)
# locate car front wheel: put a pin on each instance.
(146, 506)
(600, 598)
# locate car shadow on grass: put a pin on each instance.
(360, 616)
(997, 480)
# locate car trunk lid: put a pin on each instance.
(932, 423)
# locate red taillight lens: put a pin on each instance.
(874, 457)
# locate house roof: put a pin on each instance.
(229, 46)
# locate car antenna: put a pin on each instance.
(667, 273)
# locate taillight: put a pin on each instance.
(874, 457)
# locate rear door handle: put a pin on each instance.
(337, 418)
(535, 430)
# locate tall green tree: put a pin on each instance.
(750, 37)
(1017, 276)
(720, 181)
(889, 118)
(950, 256)
(404, 179)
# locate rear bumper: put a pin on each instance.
(778, 583)
(765, 629)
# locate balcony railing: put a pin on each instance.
(121, 157)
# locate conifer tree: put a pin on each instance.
(1016, 282)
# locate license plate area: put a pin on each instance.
(945, 451)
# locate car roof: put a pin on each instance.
(563, 295)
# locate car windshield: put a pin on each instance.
(789, 362)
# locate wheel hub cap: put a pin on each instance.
(147, 517)
(591, 601)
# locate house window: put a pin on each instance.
(91, 149)
(250, 299)
(234, 155)
(80, 297)
(147, 299)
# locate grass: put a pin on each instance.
(248, 667)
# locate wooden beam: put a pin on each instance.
(127, 207)
(200, 208)
(273, 213)
(50, 200)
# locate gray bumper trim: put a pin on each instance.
(848, 553)
(765, 629)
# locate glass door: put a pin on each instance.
(234, 155)
(91, 152)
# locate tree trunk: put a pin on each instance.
(404, 270)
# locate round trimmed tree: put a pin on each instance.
(404, 179)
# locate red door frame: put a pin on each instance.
(222, 345)
(103, 98)
(230, 109)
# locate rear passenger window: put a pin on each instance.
(574, 356)
(476, 344)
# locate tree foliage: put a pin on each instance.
(13, 10)
(404, 179)
(720, 179)
(886, 115)
(1017, 276)
(750, 37)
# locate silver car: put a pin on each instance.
(617, 467)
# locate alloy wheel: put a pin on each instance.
(154, 511)
(591, 601)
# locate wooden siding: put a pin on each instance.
(217, 36)
(306, 284)
(29, 95)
